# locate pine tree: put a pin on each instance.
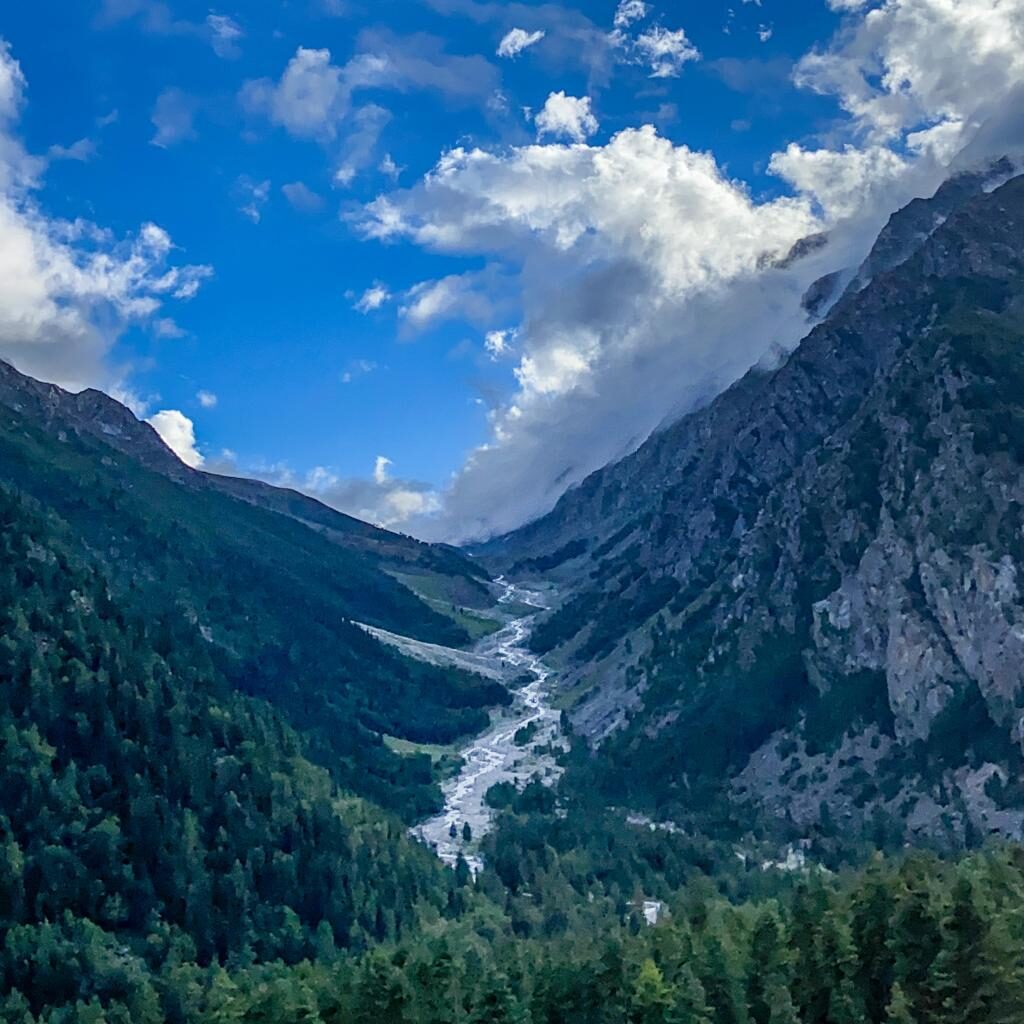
(720, 976)
(871, 906)
(497, 1004)
(769, 972)
(899, 1011)
(978, 972)
(691, 1004)
(651, 1000)
(916, 937)
(837, 950)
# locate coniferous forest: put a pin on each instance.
(171, 853)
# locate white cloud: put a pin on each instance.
(81, 151)
(389, 168)
(156, 17)
(12, 85)
(166, 327)
(178, 433)
(474, 297)
(664, 51)
(380, 498)
(840, 181)
(641, 269)
(639, 275)
(207, 399)
(225, 34)
(380, 470)
(301, 197)
(629, 11)
(373, 298)
(516, 40)
(253, 196)
(910, 63)
(68, 288)
(498, 343)
(173, 117)
(566, 116)
(314, 96)
(360, 146)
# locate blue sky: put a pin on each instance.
(259, 136)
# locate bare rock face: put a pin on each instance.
(831, 551)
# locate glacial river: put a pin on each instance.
(494, 756)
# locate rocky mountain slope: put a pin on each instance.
(273, 582)
(806, 594)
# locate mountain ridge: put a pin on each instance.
(274, 584)
(706, 571)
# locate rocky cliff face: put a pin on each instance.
(811, 587)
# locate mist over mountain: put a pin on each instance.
(807, 592)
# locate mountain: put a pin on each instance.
(273, 582)
(803, 598)
(150, 811)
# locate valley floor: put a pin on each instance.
(496, 756)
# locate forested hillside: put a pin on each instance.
(273, 598)
(150, 815)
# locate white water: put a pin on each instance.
(494, 757)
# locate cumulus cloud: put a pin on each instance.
(207, 399)
(380, 470)
(840, 181)
(516, 40)
(629, 11)
(173, 117)
(914, 63)
(567, 117)
(665, 51)
(498, 343)
(310, 98)
(389, 168)
(373, 298)
(68, 288)
(618, 266)
(379, 497)
(472, 297)
(314, 95)
(642, 269)
(178, 433)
